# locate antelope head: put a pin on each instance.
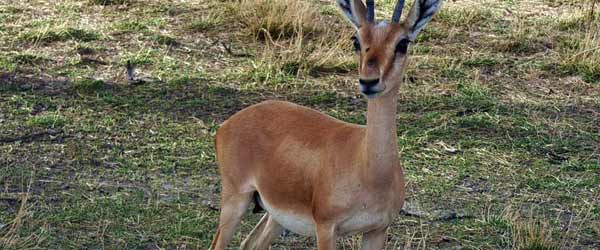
(382, 47)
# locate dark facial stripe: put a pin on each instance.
(402, 46)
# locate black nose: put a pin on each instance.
(368, 83)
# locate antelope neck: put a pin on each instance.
(381, 146)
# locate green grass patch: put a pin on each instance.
(580, 56)
(589, 72)
(49, 36)
(48, 120)
(164, 40)
(90, 86)
(141, 58)
(472, 97)
(520, 46)
(131, 26)
(7, 65)
(432, 33)
(578, 21)
(481, 62)
(110, 2)
(205, 23)
(468, 17)
(84, 49)
(29, 59)
(580, 166)
(182, 81)
(454, 73)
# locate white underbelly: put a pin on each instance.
(297, 223)
(363, 221)
(304, 225)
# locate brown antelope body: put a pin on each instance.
(316, 175)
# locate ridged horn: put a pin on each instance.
(371, 11)
(398, 11)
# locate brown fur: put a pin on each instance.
(345, 178)
(290, 155)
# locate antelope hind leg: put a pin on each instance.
(233, 208)
(263, 234)
(374, 240)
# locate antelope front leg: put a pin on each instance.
(326, 237)
(374, 240)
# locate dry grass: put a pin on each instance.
(580, 51)
(415, 240)
(500, 108)
(530, 233)
(582, 55)
(300, 56)
(110, 2)
(531, 229)
(297, 39)
(276, 19)
(11, 236)
(465, 16)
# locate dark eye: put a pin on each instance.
(402, 46)
(356, 43)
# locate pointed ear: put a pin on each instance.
(421, 13)
(355, 11)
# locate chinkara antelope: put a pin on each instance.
(316, 175)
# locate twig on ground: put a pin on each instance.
(208, 204)
(230, 52)
(436, 215)
(32, 137)
(414, 213)
(450, 215)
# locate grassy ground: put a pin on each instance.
(499, 122)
